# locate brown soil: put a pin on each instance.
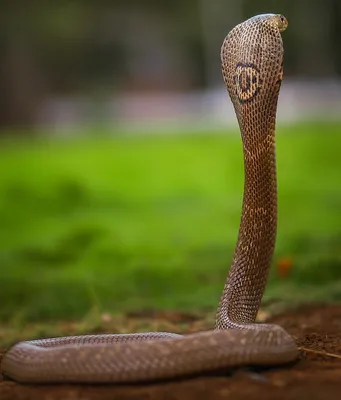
(315, 376)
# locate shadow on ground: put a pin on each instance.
(316, 375)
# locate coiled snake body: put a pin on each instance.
(252, 58)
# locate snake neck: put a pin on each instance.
(248, 274)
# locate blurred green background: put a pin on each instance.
(121, 162)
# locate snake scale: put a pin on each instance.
(252, 64)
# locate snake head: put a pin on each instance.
(282, 22)
(278, 21)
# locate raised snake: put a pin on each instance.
(252, 65)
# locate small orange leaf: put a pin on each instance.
(284, 266)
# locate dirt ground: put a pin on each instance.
(315, 376)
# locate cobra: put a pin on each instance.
(252, 59)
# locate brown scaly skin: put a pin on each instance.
(252, 58)
(253, 76)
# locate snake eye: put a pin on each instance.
(282, 18)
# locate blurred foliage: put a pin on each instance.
(117, 224)
(101, 48)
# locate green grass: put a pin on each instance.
(137, 222)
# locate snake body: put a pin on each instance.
(252, 59)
